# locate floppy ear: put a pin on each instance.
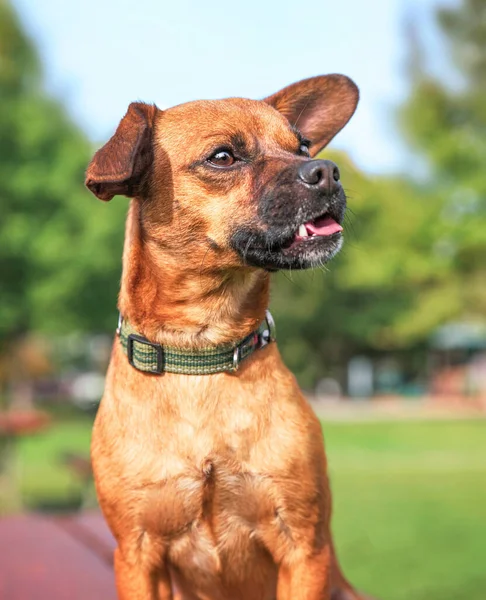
(319, 107)
(120, 165)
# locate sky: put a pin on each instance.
(100, 55)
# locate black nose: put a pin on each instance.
(321, 173)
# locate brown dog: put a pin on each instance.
(215, 485)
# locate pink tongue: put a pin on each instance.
(323, 226)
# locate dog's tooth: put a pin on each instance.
(303, 231)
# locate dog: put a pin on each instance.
(209, 463)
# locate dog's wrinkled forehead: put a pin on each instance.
(198, 127)
(319, 106)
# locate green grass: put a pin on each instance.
(410, 507)
(42, 476)
(409, 501)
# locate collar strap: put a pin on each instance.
(155, 358)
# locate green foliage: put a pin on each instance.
(447, 127)
(60, 249)
(19, 64)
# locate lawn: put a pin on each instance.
(43, 476)
(410, 507)
(409, 501)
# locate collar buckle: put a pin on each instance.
(131, 339)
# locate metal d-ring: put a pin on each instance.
(236, 358)
(271, 326)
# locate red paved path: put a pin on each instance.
(62, 558)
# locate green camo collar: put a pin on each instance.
(155, 358)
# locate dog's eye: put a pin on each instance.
(304, 149)
(222, 158)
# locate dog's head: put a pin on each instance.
(235, 180)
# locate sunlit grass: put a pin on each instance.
(41, 471)
(410, 507)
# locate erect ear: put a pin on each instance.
(319, 107)
(120, 165)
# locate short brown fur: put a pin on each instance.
(214, 486)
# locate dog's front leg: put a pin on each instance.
(305, 576)
(134, 583)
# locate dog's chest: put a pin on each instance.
(211, 516)
(210, 476)
(213, 490)
(215, 482)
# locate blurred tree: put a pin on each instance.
(59, 249)
(414, 252)
(445, 122)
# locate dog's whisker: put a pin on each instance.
(202, 262)
(350, 228)
(245, 253)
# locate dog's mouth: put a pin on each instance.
(310, 244)
(321, 227)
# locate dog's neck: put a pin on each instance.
(172, 299)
